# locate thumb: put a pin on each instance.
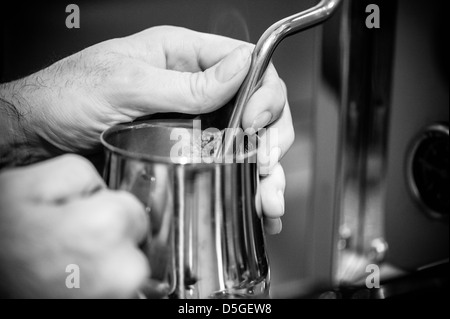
(204, 91)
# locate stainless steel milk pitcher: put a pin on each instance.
(206, 239)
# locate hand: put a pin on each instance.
(58, 213)
(161, 69)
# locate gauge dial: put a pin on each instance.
(428, 170)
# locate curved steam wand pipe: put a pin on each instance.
(262, 54)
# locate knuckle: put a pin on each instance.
(107, 220)
(128, 202)
(281, 177)
(78, 163)
(127, 75)
(80, 170)
(106, 223)
(129, 272)
(290, 139)
(279, 170)
(168, 28)
(73, 159)
(279, 94)
(123, 214)
(60, 178)
(283, 86)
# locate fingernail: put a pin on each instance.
(280, 227)
(233, 64)
(281, 199)
(261, 120)
(250, 131)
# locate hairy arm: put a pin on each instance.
(50, 112)
(17, 145)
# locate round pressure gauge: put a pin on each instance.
(427, 170)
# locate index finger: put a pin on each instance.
(56, 180)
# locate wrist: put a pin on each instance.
(16, 135)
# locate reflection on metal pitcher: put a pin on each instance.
(206, 239)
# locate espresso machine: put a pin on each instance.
(367, 177)
(380, 156)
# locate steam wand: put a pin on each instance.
(262, 54)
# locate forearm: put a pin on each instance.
(17, 144)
